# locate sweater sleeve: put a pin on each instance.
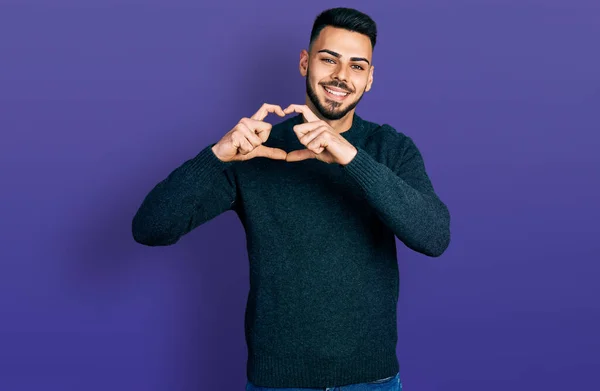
(401, 192)
(195, 192)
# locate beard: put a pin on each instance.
(331, 109)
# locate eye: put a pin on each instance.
(358, 67)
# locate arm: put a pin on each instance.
(401, 192)
(195, 192)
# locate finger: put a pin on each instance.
(310, 136)
(268, 152)
(250, 135)
(301, 154)
(242, 144)
(261, 128)
(304, 109)
(266, 109)
(319, 143)
(307, 128)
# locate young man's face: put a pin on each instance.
(337, 61)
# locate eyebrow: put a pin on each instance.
(339, 55)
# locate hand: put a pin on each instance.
(321, 140)
(245, 140)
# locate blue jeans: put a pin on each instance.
(388, 384)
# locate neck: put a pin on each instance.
(339, 125)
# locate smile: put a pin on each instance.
(336, 95)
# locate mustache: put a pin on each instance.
(338, 85)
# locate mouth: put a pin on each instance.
(335, 93)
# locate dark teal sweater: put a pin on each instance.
(321, 310)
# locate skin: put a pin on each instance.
(338, 58)
(324, 69)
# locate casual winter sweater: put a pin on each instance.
(321, 309)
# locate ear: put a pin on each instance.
(370, 81)
(303, 66)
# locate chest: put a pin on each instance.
(295, 193)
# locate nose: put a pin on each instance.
(341, 73)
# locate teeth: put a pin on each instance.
(336, 93)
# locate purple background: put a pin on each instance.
(99, 100)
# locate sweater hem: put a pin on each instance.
(277, 371)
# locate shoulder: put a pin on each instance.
(388, 144)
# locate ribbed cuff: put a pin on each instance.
(364, 169)
(207, 162)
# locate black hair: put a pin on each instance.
(346, 18)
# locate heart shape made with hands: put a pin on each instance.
(322, 142)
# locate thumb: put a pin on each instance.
(268, 152)
(299, 155)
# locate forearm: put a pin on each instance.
(419, 219)
(192, 194)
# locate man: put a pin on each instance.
(322, 196)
